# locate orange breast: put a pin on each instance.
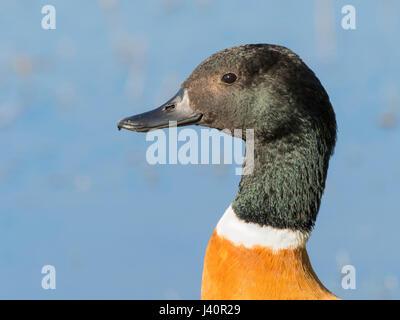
(237, 272)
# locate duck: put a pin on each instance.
(258, 251)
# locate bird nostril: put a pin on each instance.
(169, 107)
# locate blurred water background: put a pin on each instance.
(77, 194)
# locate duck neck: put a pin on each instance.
(285, 188)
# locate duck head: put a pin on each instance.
(269, 89)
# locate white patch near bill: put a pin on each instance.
(183, 104)
(231, 227)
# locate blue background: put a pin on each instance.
(77, 194)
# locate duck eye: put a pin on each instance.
(229, 78)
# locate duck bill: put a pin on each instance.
(176, 110)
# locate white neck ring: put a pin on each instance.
(248, 234)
